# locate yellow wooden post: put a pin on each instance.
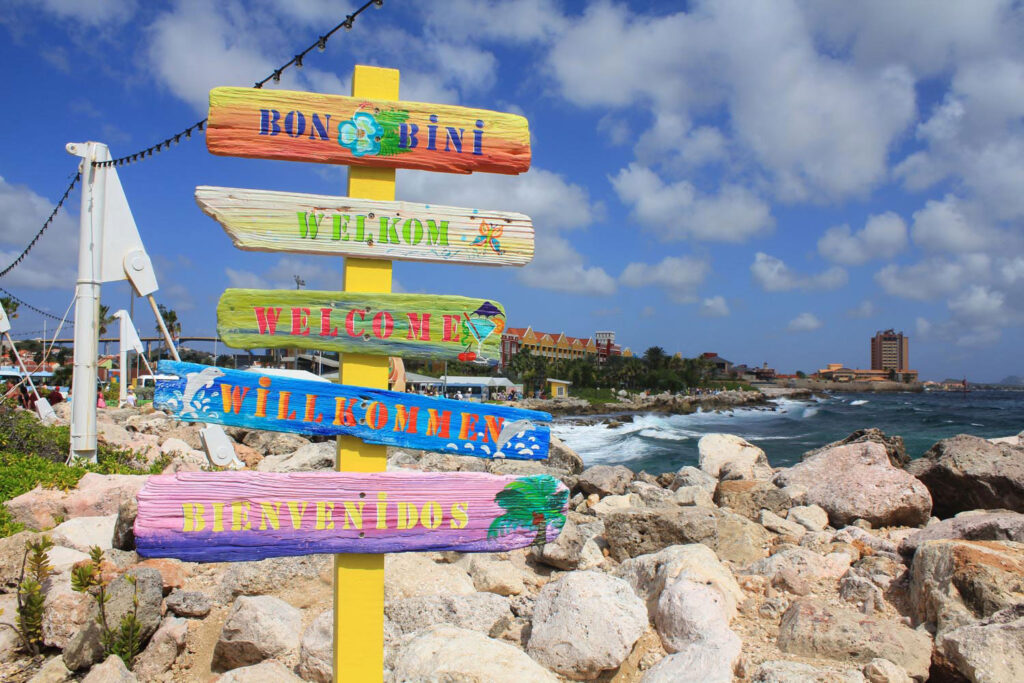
(359, 579)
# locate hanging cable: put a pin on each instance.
(275, 75)
(49, 221)
(22, 302)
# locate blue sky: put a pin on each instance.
(774, 181)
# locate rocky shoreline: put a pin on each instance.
(666, 402)
(853, 565)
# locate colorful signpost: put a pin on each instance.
(282, 404)
(259, 220)
(410, 325)
(358, 512)
(365, 131)
(225, 516)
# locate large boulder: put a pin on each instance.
(605, 480)
(969, 473)
(690, 612)
(648, 575)
(112, 670)
(816, 629)
(738, 458)
(953, 583)
(585, 623)
(989, 651)
(640, 531)
(260, 577)
(578, 546)
(447, 653)
(893, 445)
(482, 612)
(164, 647)
(748, 497)
(316, 650)
(410, 575)
(274, 443)
(83, 533)
(307, 458)
(783, 671)
(969, 526)
(801, 563)
(692, 476)
(703, 661)
(857, 481)
(95, 495)
(561, 457)
(269, 671)
(257, 628)
(739, 540)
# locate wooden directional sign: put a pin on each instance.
(260, 220)
(281, 404)
(238, 516)
(407, 325)
(333, 129)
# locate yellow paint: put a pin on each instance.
(358, 578)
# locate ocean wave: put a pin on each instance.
(810, 412)
(859, 402)
(663, 435)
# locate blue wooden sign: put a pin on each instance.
(263, 401)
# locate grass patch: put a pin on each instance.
(33, 454)
(593, 395)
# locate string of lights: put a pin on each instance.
(275, 75)
(46, 224)
(22, 302)
(296, 61)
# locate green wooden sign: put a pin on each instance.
(408, 325)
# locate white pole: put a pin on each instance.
(87, 301)
(122, 394)
(163, 328)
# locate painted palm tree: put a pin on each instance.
(103, 322)
(533, 502)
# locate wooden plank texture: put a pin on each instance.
(406, 325)
(238, 516)
(261, 220)
(334, 129)
(262, 401)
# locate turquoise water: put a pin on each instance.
(662, 443)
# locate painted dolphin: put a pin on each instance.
(509, 430)
(193, 383)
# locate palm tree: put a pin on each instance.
(533, 502)
(170, 320)
(10, 306)
(103, 321)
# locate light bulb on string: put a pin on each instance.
(298, 61)
(377, 4)
(347, 24)
(322, 43)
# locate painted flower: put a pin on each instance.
(361, 134)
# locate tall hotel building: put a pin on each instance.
(889, 351)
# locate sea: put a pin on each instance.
(788, 428)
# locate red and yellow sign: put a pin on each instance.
(334, 129)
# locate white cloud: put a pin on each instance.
(245, 279)
(773, 275)
(678, 276)
(282, 275)
(883, 237)
(52, 262)
(805, 322)
(495, 20)
(978, 304)
(92, 13)
(559, 267)
(714, 307)
(676, 211)
(942, 226)
(546, 197)
(865, 309)
(818, 127)
(931, 278)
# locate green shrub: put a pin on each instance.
(35, 570)
(123, 640)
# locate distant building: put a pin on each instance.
(722, 366)
(889, 351)
(558, 388)
(557, 345)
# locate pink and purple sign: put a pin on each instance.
(237, 516)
